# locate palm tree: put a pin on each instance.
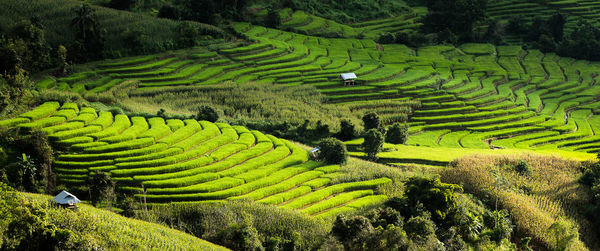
(84, 22)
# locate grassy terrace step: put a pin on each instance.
(188, 160)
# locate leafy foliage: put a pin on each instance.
(28, 167)
(437, 197)
(397, 134)
(373, 143)
(333, 151)
(89, 35)
(101, 187)
(372, 121)
(207, 113)
(347, 130)
(457, 17)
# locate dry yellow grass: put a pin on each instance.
(535, 200)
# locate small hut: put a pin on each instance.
(314, 153)
(348, 78)
(66, 200)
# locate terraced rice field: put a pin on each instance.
(191, 160)
(476, 96)
(574, 9)
(307, 24)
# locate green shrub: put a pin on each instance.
(333, 151)
(347, 130)
(523, 167)
(373, 143)
(207, 113)
(397, 134)
(371, 121)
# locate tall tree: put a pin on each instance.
(373, 143)
(458, 16)
(89, 37)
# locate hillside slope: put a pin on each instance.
(474, 96)
(92, 228)
(174, 160)
(125, 32)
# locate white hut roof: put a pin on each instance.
(348, 76)
(65, 197)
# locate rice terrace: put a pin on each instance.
(299, 125)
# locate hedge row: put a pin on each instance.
(227, 137)
(286, 196)
(158, 129)
(316, 183)
(365, 201)
(44, 110)
(151, 156)
(188, 177)
(335, 201)
(63, 127)
(13, 122)
(76, 140)
(158, 147)
(139, 125)
(195, 163)
(122, 146)
(85, 118)
(246, 139)
(83, 146)
(263, 161)
(147, 66)
(272, 179)
(121, 123)
(282, 186)
(63, 135)
(214, 184)
(41, 123)
(105, 119)
(191, 127)
(65, 113)
(209, 132)
(260, 137)
(337, 188)
(79, 165)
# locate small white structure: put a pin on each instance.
(348, 78)
(314, 153)
(66, 199)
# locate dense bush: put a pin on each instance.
(458, 17)
(28, 166)
(89, 35)
(349, 11)
(523, 167)
(347, 130)
(373, 143)
(241, 225)
(121, 4)
(372, 121)
(397, 134)
(333, 151)
(591, 178)
(207, 113)
(25, 226)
